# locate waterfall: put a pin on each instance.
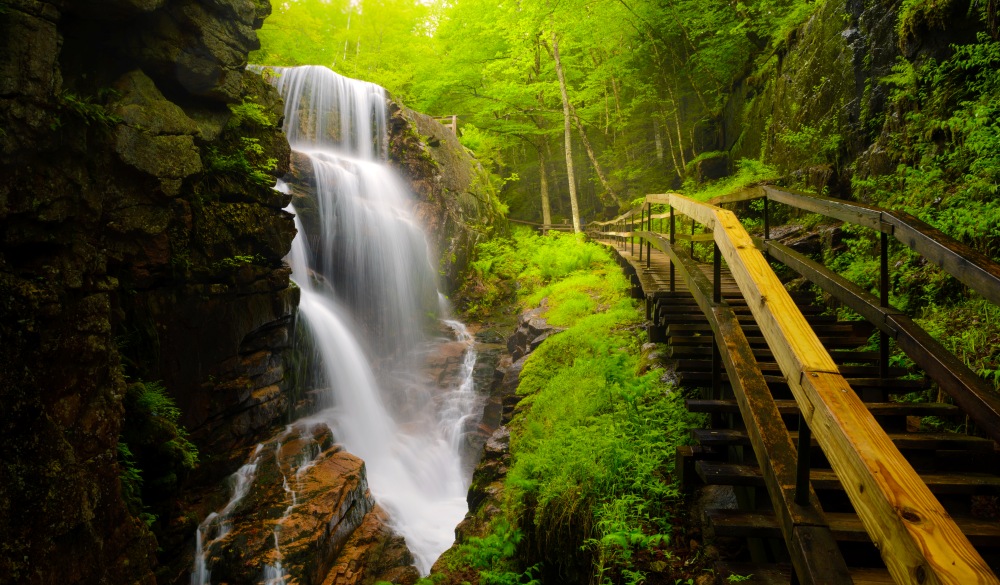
(369, 298)
(369, 301)
(216, 525)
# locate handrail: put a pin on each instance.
(971, 268)
(918, 540)
(968, 390)
(801, 521)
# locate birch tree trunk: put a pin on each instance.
(593, 159)
(568, 127)
(544, 181)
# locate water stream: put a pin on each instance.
(370, 306)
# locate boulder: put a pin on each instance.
(310, 512)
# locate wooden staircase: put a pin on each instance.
(793, 507)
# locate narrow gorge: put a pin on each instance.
(226, 404)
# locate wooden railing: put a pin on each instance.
(918, 540)
(970, 267)
(544, 227)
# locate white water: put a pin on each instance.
(216, 525)
(368, 285)
(368, 290)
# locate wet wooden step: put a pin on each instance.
(829, 342)
(903, 441)
(840, 357)
(696, 317)
(701, 365)
(891, 385)
(845, 527)
(760, 574)
(721, 473)
(855, 328)
(938, 409)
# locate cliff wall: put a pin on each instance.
(141, 243)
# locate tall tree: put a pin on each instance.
(568, 135)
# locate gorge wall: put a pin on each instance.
(141, 255)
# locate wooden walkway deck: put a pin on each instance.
(845, 469)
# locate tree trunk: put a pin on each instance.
(568, 132)
(544, 186)
(593, 158)
(657, 139)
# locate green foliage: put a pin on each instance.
(154, 451)
(248, 160)
(130, 477)
(615, 496)
(375, 40)
(749, 172)
(948, 145)
(971, 330)
(812, 144)
(250, 113)
(238, 261)
(914, 14)
(506, 270)
(492, 556)
(89, 109)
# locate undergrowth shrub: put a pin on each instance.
(154, 452)
(590, 484)
(509, 270)
(593, 455)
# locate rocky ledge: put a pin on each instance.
(307, 514)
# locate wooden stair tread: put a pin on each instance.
(939, 409)
(929, 441)
(845, 526)
(760, 574)
(855, 382)
(720, 473)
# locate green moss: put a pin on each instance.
(917, 14)
(590, 481)
(153, 451)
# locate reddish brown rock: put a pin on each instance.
(334, 532)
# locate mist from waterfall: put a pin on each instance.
(369, 299)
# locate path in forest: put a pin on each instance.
(875, 492)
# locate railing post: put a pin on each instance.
(883, 337)
(716, 298)
(802, 465)
(692, 237)
(649, 228)
(642, 223)
(631, 230)
(672, 228)
(767, 222)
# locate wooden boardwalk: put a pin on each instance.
(881, 488)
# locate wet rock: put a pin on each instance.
(331, 532)
(201, 46)
(531, 331)
(452, 199)
(654, 356)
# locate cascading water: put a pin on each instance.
(367, 282)
(368, 290)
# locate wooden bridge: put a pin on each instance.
(835, 482)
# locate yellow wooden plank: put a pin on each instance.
(796, 347)
(917, 539)
(742, 195)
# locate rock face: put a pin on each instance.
(485, 495)
(309, 508)
(451, 187)
(137, 242)
(531, 331)
(809, 105)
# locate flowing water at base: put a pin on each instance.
(369, 296)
